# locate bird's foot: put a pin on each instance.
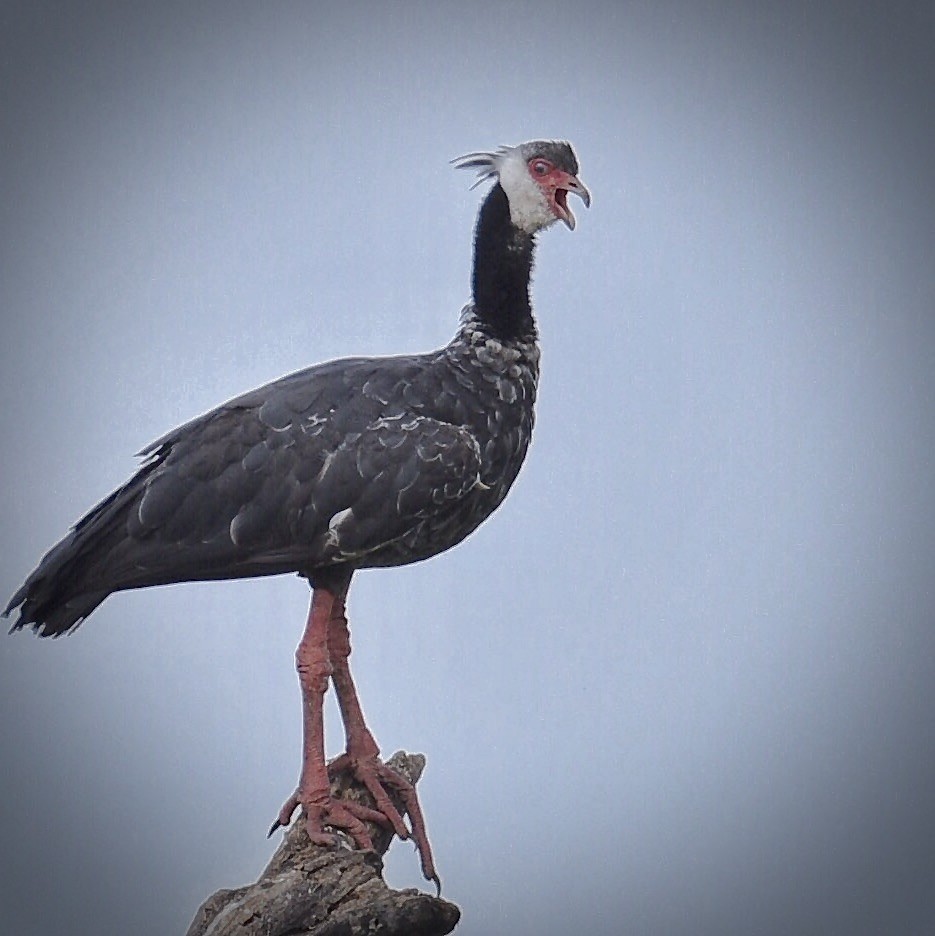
(381, 782)
(322, 809)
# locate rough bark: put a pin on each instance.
(310, 890)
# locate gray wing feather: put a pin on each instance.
(316, 468)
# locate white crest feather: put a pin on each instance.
(486, 164)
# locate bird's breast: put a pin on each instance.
(487, 389)
(494, 384)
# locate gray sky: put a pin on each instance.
(682, 682)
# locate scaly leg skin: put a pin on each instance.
(362, 757)
(322, 655)
(313, 793)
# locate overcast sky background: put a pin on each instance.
(682, 682)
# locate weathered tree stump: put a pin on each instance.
(311, 890)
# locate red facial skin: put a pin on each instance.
(557, 183)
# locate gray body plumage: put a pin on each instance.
(357, 463)
(360, 462)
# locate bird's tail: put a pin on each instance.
(76, 574)
(48, 600)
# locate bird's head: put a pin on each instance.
(536, 178)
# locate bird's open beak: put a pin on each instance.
(569, 183)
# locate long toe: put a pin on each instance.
(284, 818)
(384, 785)
(381, 781)
(337, 814)
(324, 813)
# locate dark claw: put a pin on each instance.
(438, 884)
(276, 825)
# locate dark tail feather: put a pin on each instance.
(47, 601)
(76, 574)
(53, 620)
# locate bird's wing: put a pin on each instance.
(401, 483)
(316, 468)
(247, 500)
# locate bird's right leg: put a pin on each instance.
(313, 793)
(362, 757)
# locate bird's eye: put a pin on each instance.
(540, 167)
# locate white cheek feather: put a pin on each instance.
(529, 207)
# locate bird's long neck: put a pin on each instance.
(502, 265)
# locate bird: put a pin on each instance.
(357, 463)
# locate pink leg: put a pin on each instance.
(313, 793)
(363, 756)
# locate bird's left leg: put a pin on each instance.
(313, 793)
(362, 757)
